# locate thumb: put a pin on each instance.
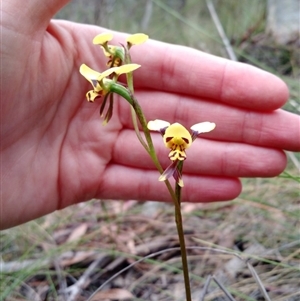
(22, 25)
(31, 16)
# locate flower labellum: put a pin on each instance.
(178, 139)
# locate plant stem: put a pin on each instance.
(175, 196)
(179, 225)
(136, 112)
(129, 79)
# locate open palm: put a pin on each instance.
(55, 151)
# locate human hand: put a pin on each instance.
(55, 151)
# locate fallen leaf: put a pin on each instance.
(113, 294)
(77, 232)
(69, 258)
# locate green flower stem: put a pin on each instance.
(176, 199)
(179, 223)
(122, 91)
(175, 196)
(129, 79)
(137, 112)
(177, 187)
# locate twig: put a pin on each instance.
(60, 279)
(147, 15)
(258, 281)
(205, 288)
(31, 294)
(222, 287)
(233, 57)
(289, 245)
(295, 105)
(221, 31)
(84, 280)
(154, 255)
(15, 266)
(294, 160)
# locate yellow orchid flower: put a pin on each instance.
(101, 85)
(98, 80)
(105, 84)
(177, 138)
(92, 75)
(116, 54)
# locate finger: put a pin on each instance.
(204, 157)
(277, 129)
(23, 27)
(126, 183)
(35, 14)
(187, 71)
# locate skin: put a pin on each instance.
(55, 151)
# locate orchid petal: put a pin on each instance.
(169, 171)
(103, 104)
(102, 38)
(109, 112)
(126, 68)
(137, 39)
(178, 178)
(106, 73)
(92, 95)
(203, 127)
(157, 125)
(89, 73)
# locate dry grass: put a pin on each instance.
(84, 245)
